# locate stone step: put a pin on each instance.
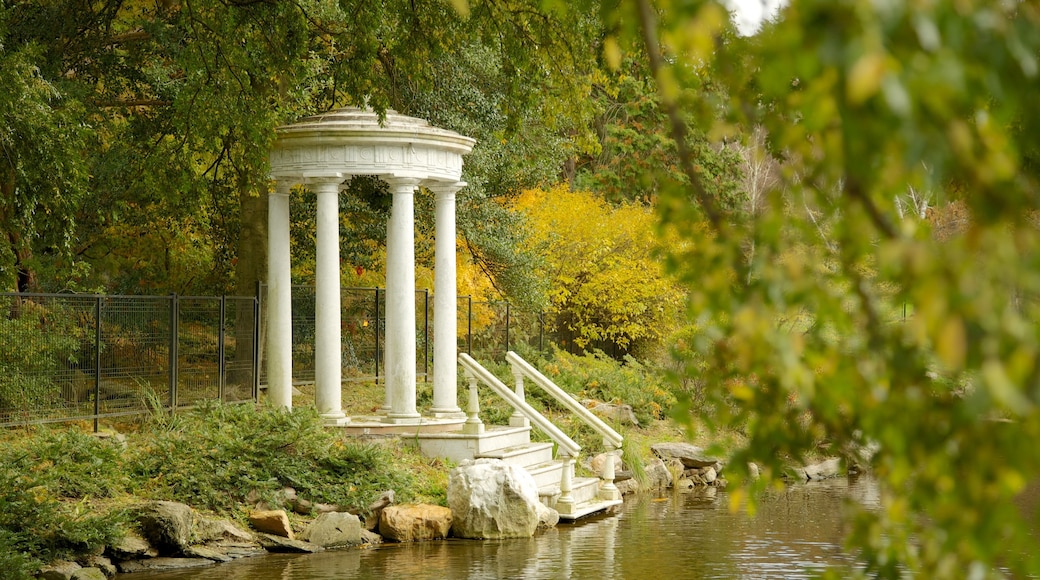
(584, 492)
(460, 446)
(583, 489)
(547, 473)
(590, 507)
(523, 455)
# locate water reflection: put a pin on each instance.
(692, 535)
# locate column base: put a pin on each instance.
(339, 420)
(519, 421)
(403, 419)
(609, 492)
(455, 413)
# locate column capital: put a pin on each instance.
(444, 187)
(281, 187)
(402, 184)
(323, 181)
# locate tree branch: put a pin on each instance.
(657, 67)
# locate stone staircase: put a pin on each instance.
(513, 445)
(557, 487)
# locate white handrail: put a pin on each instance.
(567, 445)
(609, 435)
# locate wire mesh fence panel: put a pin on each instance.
(489, 329)
(136, 335)
(240, 348)
(303, 334)
(360, 336)
(198, 349)
(46, 354)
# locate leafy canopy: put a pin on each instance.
(802, 341)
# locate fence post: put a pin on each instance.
(174, 339)
(256, 346)
(426, 334)
(376, 324)
(97, 361)
(541, 330)
(469, 326)
(221, 363)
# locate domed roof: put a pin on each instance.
(353, 141)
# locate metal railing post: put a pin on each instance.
(541, 331)
(221, 363)
(174, 339)
(507, 327)
(376, 324)
(469, 326)
(426, 334)
(256, 347)
(97, 362)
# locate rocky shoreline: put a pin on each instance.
(174, 536)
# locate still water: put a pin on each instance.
(690, 535)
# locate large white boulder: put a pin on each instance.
(490, 499)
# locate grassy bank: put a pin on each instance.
(64, 491)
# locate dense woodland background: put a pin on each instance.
(756, 214)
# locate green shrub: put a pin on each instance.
(218, 455)
(600, 377)
(41, 478)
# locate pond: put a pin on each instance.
(691, 535)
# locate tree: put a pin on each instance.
(799, 341)
(606, 290)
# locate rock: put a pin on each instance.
(709, 475)
(132, 546)
(213, 530)
(101, 563)
(273, 543)
(618, 413)
(689, 455)
(823, 470)
(304, 507)
(752, 469)
(167, 525)
(243, 550)
(161, 564)
(684, 484)
(597, 463)
(333, 530)
(376, 507)
(414, 523)
(657, 474)
(490, 499)
(207, 553)
(59, 570)
(370, 537)
(88, 574)
(274, 522)
(547, 517)
(627, 486)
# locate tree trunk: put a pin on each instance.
(25, 278)
(250, 270)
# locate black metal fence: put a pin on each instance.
(485, 329)
(85, 357)
(73, 357)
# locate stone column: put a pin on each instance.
(279, 299)
(328, 344)
(399, 359)
(445, 316)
